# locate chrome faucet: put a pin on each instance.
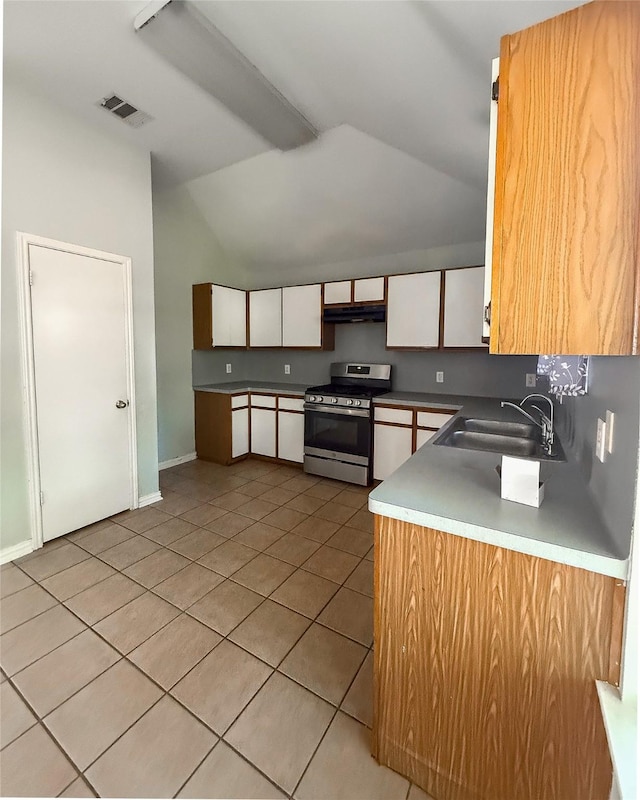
(545, 422)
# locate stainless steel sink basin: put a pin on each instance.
(498, 436)
(493, 442)
(501, 427)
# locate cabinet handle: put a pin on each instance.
(487, 313)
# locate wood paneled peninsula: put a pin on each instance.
(492, 622)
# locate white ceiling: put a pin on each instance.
(400, 89)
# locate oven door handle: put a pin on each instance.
(346, 412)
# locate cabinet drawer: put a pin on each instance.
(402, 416)
(239, 400)
(434, 419)
(368, 289)
(337, 292)
(291, 404)
(263, 401)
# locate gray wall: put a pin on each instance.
(614, 384)
(465, 373)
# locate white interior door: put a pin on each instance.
(81, 368)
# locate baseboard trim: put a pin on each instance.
(16, 551)
(149, 499)
(174, 462)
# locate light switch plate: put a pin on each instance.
(601, 435)
(439, 377)
(228, 368)
(530, 380)
(287, 369)
(609, 437)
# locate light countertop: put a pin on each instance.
(458, 491)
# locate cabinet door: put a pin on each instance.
(229, 317)
(565, 243)
(337, 292)
(391, 448)
(302, 316)
(265, 318)
(291, 436)
(413, 310)
(366, 290)
(463, 305)
(423, 436)
(239, 432)
(263, 432)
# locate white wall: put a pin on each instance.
(64, 179)
(186, 252)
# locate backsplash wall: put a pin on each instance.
(614, 385)
(471, 373)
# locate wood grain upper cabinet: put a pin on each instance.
(219, 316)
(567, 187)
(265, 318)
(413, 311)
(302, 316)
(463, 305)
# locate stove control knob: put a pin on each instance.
(319, 399)
(334, 400)
(357, 403)
(312, 398)
(349, 402)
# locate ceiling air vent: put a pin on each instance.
(127, 113)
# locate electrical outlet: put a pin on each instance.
(439, 377)
(228, 368)
(287, 369)
(609, 437)
(530, 380)
(601, 437)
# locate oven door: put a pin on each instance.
(341, 433)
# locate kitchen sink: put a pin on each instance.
(502, 427)
(498, 436)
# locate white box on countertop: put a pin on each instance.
(520, 481)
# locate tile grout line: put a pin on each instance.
(184, 611)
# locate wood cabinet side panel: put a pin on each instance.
(485, 669)
(567, 204)
(213, 426)
(201, 307)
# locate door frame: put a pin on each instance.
(32, 451)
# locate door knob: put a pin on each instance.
(122, 403)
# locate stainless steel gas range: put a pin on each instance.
(338, 422)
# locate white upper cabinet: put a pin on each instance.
(413, 310)
(302, 316)
(337, 292)
(229, 317)
(367, 290)
(463, 307)
(265, 318)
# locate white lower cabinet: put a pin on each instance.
(423, 436)
(263, 432)
(291, 436)
(391, 448)
(239, 432)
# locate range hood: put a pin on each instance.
(363, 313)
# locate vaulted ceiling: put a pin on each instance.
(398, 89)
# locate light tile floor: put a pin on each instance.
(217, 644)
